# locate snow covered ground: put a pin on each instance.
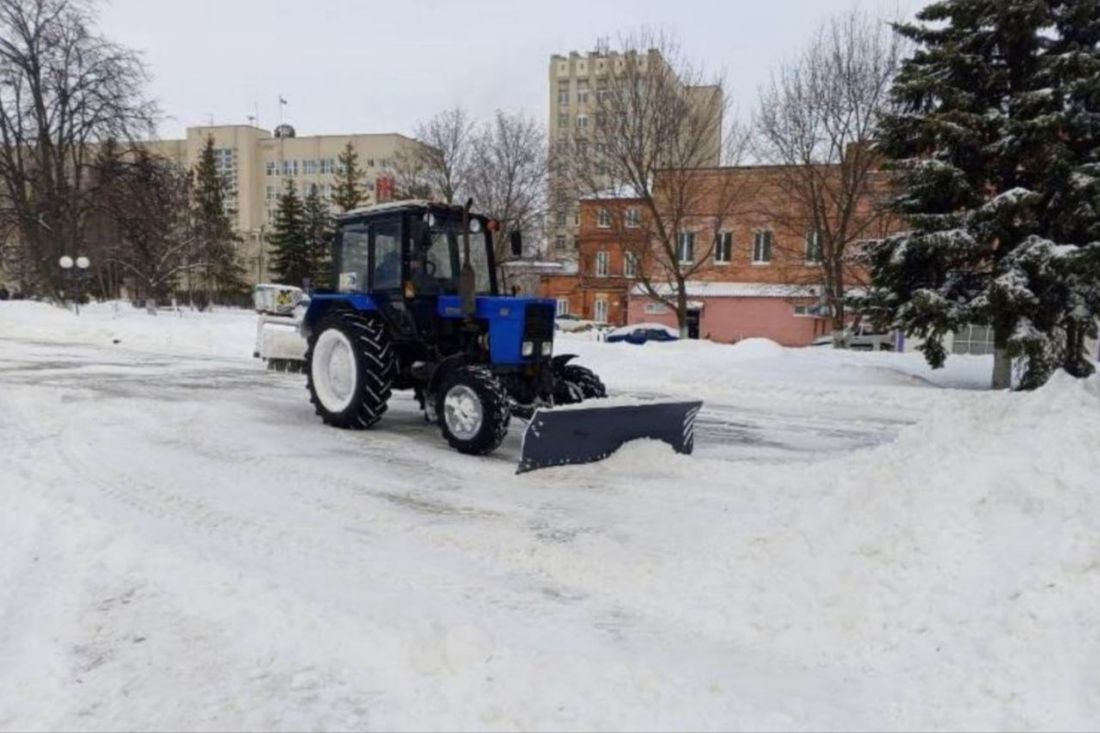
(858, 543)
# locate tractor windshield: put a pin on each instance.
(444, 255)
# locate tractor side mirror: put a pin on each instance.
(517, 244)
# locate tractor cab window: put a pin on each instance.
(387, 256)
(443, 242)
(352, 256)
(443, 260)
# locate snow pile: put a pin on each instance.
(756, 348)
(223, 332)
(951, 577)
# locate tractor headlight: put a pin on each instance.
(528, 348)
(547, 348)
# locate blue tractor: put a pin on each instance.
(416, 306)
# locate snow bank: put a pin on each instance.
(951, 577)
(222, 332)
(705, 368)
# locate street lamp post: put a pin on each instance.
(75, 270)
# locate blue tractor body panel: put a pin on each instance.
(321, 303)
(506, 316)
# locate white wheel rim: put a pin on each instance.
(462, 411)
(334, 374)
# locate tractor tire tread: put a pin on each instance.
(375, 364)
(495, 404)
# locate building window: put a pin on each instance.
(603, 219)
(563, 120)
(271, 168)
(269, 193)
(762, 247)
(582, 91)
(290, 167)
(563, 306)
(559, 241)
(561, 218)
(328, 166)
(632, 218)
(973, 340)
(804, 311)
(309, 167)
(685, 247)
(656, 309)
(813, 246)
(601, 310)
(603, 264)
(630, 264)
(563, 93)
(582, 122)
(723, 247)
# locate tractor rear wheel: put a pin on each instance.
(349, 370)
(576, 383)
(473, 410)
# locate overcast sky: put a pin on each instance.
(359, 66)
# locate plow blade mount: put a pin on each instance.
(562, 436)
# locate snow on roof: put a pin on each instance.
(534, 265)
(624, 191)
(702, 288)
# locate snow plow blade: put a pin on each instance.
(559, 437)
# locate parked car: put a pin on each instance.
(863, 338)
(640, 333)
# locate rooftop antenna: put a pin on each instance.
(282, 103)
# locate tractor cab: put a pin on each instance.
(412, 248)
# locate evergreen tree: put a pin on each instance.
(317, 222)
(348, 191)
(214, 253)
(291, 260)
(972, 136)
(1073, 166)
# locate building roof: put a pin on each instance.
(705, 288)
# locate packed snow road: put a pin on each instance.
(186, 546)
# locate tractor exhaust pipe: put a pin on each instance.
(467, 280)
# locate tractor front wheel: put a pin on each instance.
(472, 407)
(349, 370)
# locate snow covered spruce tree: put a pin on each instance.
(291, 256)
(996, 184)
(317, 226)
(348, 191)
(214, 247)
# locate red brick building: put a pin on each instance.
(753, 271)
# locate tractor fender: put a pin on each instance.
(440, 371)
(561, 360)
(321, 303)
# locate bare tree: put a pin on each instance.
(507, 177)
(139, 228)
(441, 165)
(653, 133)
(62, 89)
(816, 120)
